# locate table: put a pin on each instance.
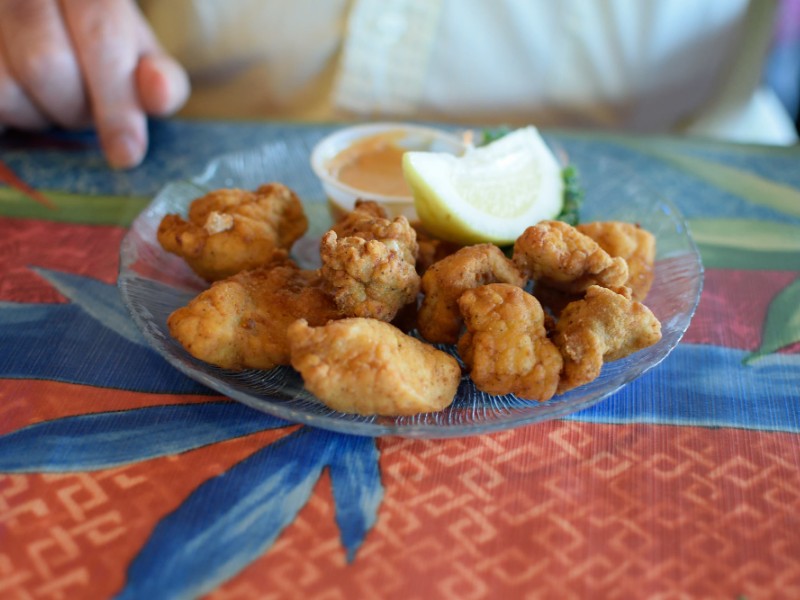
(123, 478)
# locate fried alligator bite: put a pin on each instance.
(439, 318)
(505, 346)
(232, 230)
(369, 221)
(370, 367)
(557, 255)
(604, 326)
(367, 278)
(241, 322)
(630, 242)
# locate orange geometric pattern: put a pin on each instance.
(73, 534)
(557, 510)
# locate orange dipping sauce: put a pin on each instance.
(373, 164)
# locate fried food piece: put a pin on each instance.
(506, 346)
(559, 256)
(240, 322)
(232, 230)
(368, 262)
(625, 240)
(439, 318)
(629, 241)
(431, 249)
(368, 367)
(363, 210)
(367, 278)
(604, 326)
(369, 221)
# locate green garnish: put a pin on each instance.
(573, 196)
(492, 135)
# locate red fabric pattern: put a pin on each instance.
(727, 317)
(87, 250)
(563, 509)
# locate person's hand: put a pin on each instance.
(79, 62)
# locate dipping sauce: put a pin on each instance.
(373, 164)
(365, 161)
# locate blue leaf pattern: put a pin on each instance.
(357, 490)
(230, 520)
(98, 441)
(743, 401)
(13, 314)
(111, 361)
(100, 300)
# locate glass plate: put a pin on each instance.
(153, 283)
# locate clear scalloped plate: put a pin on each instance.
(153, 283)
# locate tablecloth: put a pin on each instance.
(120, 477)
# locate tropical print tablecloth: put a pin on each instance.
(120, 477)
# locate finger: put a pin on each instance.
(162, 84)
(40, 56)
(16, 109)
(104, 36)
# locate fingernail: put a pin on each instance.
(124, 152)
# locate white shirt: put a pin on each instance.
(637, 65)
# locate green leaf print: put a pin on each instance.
(747, 244)
(72, 208)
(744, 184)
(782, 325)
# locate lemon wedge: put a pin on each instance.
(491, 193)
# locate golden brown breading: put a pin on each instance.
(368, 221)
(439, 319)
(362, 210)
(231, 230)
(561, 257)
(368, 367)
(241, 322)
(604, 326)
(629, 241)
(366, 278)
(506, 346)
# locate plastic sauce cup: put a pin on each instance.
(364, 162)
